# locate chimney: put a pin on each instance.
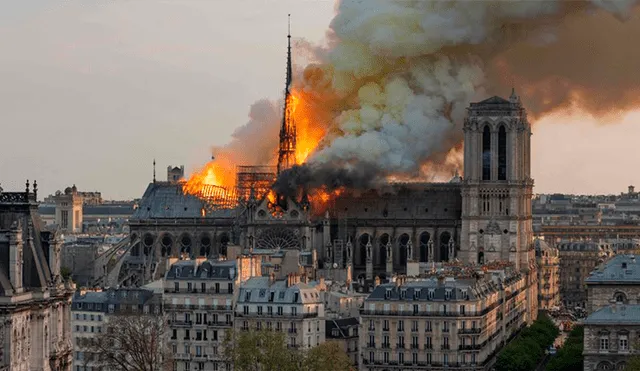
(272, 278)
(441, 280)
(376, 281)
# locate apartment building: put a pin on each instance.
(457, 319)
(90, 312)
(548, 275)
(577, 260)
(293, 305)
(344, 331)
(199, 297)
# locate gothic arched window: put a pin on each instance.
(424, 247)
(445, 237)
(361, 254)
(502, 153)
(486, 153)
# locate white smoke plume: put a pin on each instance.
(392, 87)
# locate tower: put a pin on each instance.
(497, 186)
(287, 148)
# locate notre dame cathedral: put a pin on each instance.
(482, 217)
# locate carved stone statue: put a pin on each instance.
(430, 249)
(369, 249)
(388, 251)
(409, 250)
(349, 247)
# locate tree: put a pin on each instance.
(328, 356)
(569, 357)
(265, 350)
(131, 343)
(527, 349)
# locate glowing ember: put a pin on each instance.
(321, 199)
(211, 175)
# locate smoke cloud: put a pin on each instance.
(391, 89)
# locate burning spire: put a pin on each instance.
(287, 148)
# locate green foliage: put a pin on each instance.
(267, 351)
(65, 273)
(569, 357)
(527, 349)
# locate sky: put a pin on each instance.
(91, 92)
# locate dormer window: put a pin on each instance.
(430, 294)
(335, 332)
(624, 265)
(387, 294)
(620, 298)
(416, 293)
(403, 293)
(447, 294)
(247, 296)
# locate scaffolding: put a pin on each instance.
(258, 178)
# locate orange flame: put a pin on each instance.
(322, 198)
(213, 174)
(309, 133)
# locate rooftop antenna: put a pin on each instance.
(154, 170)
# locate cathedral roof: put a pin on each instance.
(494, 100)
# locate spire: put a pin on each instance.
(513, 98)
(287, 148)
(154, 170)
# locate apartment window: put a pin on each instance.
(372, 341)
(270, 310)
(230, 288)
(245, 309)
(198, 335)
(428, 327)
(445, 359)
(401, 325)
(217, 287)
(623, 343)
(372, 357)
(186, 336)
(259, 326)
(203, 287)
(414, 358)
(462, 309)
(371, 325)
(427, 343)
(447, 294)
(604, 343)
(401, 357)
(198, 351)
(415, 309)
(187, 317)
(260, 310)
(445, 326)
(385, 326)
(280, 311)
(385, 357)
(247, 296)
(385, 341)
(189, 286)
(414, 326)
(401, 342)
(414, 342)
(294, 311)
(198, 318)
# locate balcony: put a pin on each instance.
(445, 347)
(470, 331)
(180, 323)
(293, 330)
(182, 356)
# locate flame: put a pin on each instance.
(212, 174)
(322, 198)
(309, 133)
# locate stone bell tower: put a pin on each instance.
(497, 186)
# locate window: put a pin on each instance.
(176, 286)
(620, 298)
(486, 153)
(502, 153)
(604, 343)
(203, 287)
(623, 343)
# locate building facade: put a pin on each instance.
(449, 321)
(293, 306)
(199, 298)
(577, 260)
(612, 329)
(548, 275)
(35, 301)
(90, 315)
(69, 210)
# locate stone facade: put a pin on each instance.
(455, 322)
(548, 275)
(69, 210)
(199, 297)
(34, 300)
(577, 260)
(612, 328)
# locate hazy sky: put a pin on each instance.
(91, 92)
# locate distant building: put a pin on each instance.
(90, 317)
(69, 210)
(293, 306)
(613, 325)
(199, 297)
(548, 275)
(35, 302)
(577, 260)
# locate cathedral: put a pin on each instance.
(482, 217)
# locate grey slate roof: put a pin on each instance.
(615, 315)
(99, 301)
(343, 325)
(166, 200)
(208, 270)
(621, 268)
(430, 290)
(260, 289)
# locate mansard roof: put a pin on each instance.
(617, 314)
(207, 270)
(262, 290)
(621, 269)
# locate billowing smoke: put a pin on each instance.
(391, 88)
